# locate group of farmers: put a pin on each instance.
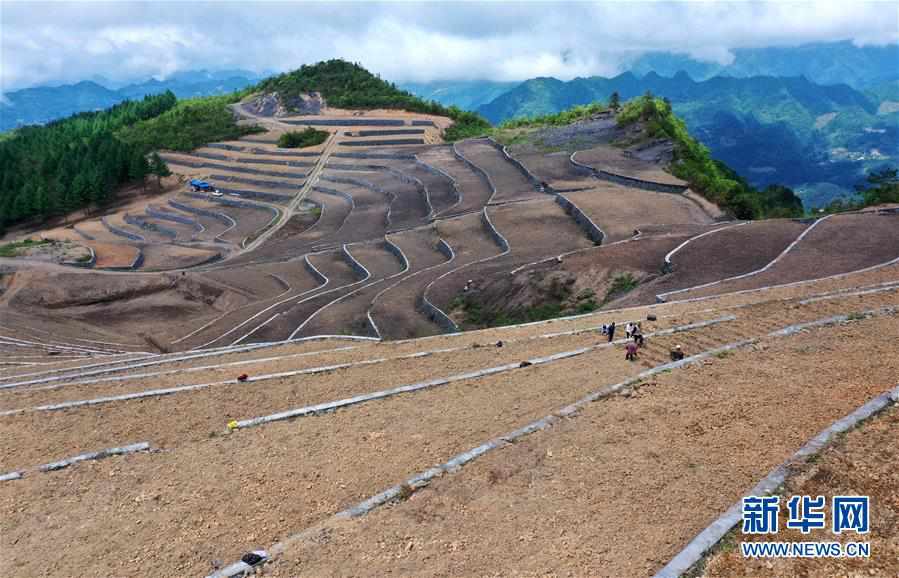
(635, 340)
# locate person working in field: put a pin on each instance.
(631, 349)
(677, 353)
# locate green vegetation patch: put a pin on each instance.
(300, 139)
(573, 114)
(347, 85)
(558, 302)
(13, 249)
(621, 284)
(188, 125)
(79, 161)
(693, 163)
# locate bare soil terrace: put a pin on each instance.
(841, 244)
(619, 210)
(284, 477)
(615, 161)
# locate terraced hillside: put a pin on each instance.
(279, 367)
(201, 447)
(448, 221)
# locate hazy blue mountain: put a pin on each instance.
(822, 63)
(467, 95)
(770, 130)
(42, 104)
(45, 103)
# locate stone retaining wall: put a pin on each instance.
(202, 212)
(322, 280)
(633, 182)
(271, 197)
(352, 121)
(494, 232)
(586, 223)
(383, 142)
(120, 232)
(389, 132)
(537, 183)
(384, 156)
(172, 217)
(147, 226)
(483, 174)
(358, 267)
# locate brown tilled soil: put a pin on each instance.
(534, 229)
(509, 181)
(864, 462)
(181, 163)
(591, 269)
(348, 316)
(619, 210)
(249, 220)
(684, 447)
(614, 160)
(474, 189)
(395, 310)
(440, 190)
(263, 470)
(342, 279)
(734, 250)
(555, 169)
(841, 244)
(408, 207)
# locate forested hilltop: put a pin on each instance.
(347, 85)
(81, 160)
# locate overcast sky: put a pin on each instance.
(54, 43)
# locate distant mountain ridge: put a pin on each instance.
(822, 62)
(43, 104)
(785, 130)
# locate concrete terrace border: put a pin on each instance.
(404, 261)
(121, 232)
(369, 155)
(478, 170)
(334, 405)
(231, 168)
(535, 182)
(337, 193)
(401, 257)
(275, 185)
(581, 218)
(627, 181)
(453, 465)
(382, 142)
(440, 172)
(221, 217)
(138, 221)
(167, 216)
(662, 297)
(442, 318)
(431, 311)
(708, 538)
(61, 464)
(260, 151)
(673, 252)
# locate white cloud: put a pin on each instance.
(64, 42)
